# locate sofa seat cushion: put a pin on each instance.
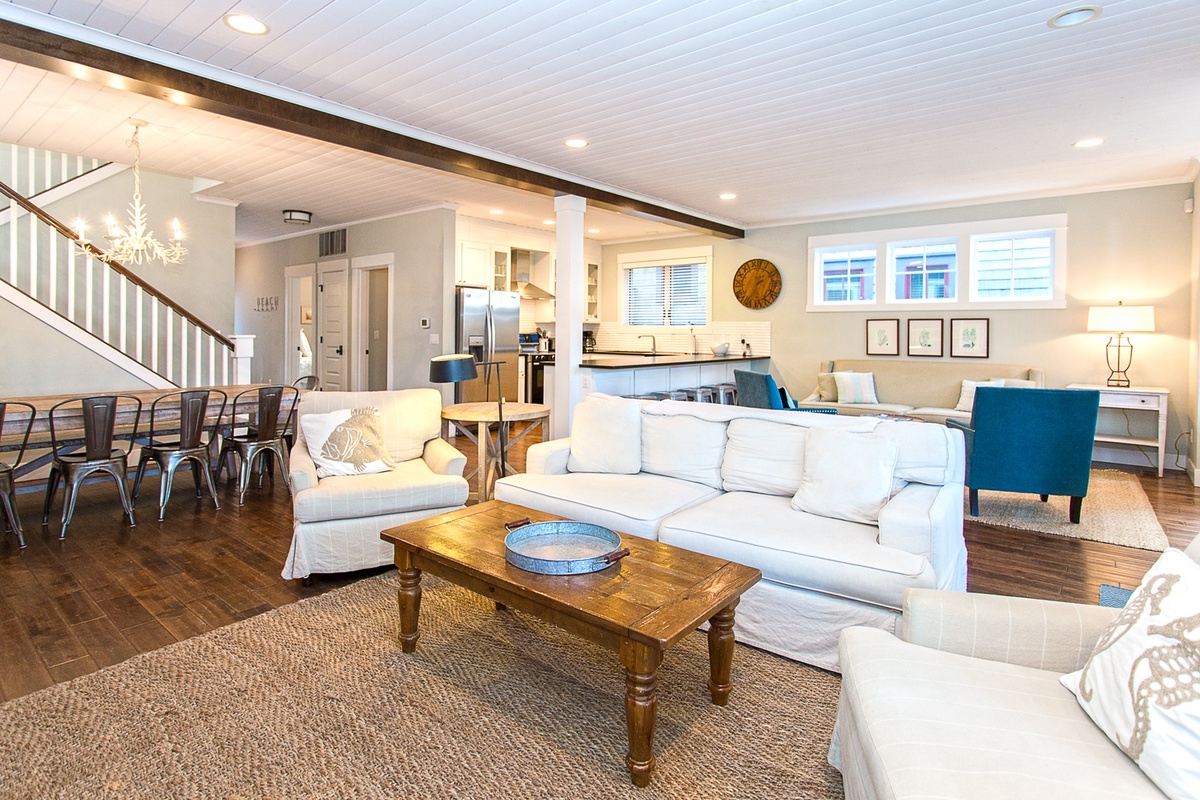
(633, 504)
(925, 723)
(410, 486)
(938, 416)
(800, 550)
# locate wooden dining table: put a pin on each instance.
(130, 420)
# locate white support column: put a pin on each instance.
(570, 277)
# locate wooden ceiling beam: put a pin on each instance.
(59, 54)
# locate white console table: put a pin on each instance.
(1134, 398)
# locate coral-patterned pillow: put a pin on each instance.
(346, 442)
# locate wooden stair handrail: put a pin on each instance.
(117, 266)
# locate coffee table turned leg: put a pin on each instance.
(641, 707)
(409, 599)
(720, 654)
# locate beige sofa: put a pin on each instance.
(721, 480)
(337, 520)
(965, 701)
(915, 387)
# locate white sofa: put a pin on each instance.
(927, 390)
(337, 520)
(965, 701)
(721, 479)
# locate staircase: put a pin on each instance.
(75, 288)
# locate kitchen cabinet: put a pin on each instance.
(591, 311)
(482, 264)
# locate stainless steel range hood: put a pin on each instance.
(533, 292)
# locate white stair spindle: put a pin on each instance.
(170, 342)
(137, 324)
(154, 334)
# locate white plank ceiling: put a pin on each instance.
(805, 110)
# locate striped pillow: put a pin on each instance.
(855, 387)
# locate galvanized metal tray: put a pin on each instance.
(563, 547)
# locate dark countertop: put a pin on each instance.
(629, 361)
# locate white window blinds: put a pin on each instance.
(675, 294)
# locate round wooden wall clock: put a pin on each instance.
(756, 284)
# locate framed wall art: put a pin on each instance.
(969, 338)
(925, 338)
(883, 337)
(306, 316)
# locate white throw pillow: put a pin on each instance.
(1141, 684)
(683, 447)
(1016, 383)
(855, 387)
(764, 457)
(606, 436)
(346, 442)
(966, 399)
(846, 475)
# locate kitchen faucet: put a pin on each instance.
(653, 343)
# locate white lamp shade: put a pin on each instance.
(1121, 319)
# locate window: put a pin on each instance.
(1003, 263)
(847, 274)
(1013, 267)
(665, 288)
(924, 270)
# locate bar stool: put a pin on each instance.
(192, 409)
(726, 393)
(8, 492)
(670, 394)
(700, 394)
(99, 415)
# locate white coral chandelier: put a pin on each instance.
(135, 243)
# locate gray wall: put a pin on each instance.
(1133, 245)
(423, 247)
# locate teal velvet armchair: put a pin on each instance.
(1031, 440)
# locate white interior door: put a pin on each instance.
(299, 330)
(333, 324)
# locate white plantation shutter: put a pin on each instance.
(675, 294)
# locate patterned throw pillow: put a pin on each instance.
(346, 442)
(855, 387)
(1141, 684)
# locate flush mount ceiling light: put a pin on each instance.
(244, 23)
(728, 196)
(1074, 17)
(295, 216)
(1095, 141)
(576, 143)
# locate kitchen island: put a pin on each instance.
(624, 373)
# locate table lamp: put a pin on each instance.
(459, 367)
(1120, 319)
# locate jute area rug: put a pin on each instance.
(315, 700)
(1116, 510)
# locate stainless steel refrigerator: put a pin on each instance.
(487, 328)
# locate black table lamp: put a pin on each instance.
(459, 367)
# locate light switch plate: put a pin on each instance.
(435, 338)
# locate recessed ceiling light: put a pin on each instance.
(576, 143)
(1074, 16)
(496, 211)
(244, 23)
(593, 230)
(547, 222)
(1095, 141)
(728, 196)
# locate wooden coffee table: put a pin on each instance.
(638, 607)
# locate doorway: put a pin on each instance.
(372, 367)
(300, 322)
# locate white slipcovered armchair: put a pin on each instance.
(337, 520)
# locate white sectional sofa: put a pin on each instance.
(927, 390)
(727, 481)
(337, 519)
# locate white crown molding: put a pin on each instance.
(1193, 168)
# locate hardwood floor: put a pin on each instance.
(110, 591)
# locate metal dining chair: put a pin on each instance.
(99, 416)
(185, 412)
(264, 434)
(8, 490)
(310, 382)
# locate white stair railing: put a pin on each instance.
(103, 298)
(30, 171)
